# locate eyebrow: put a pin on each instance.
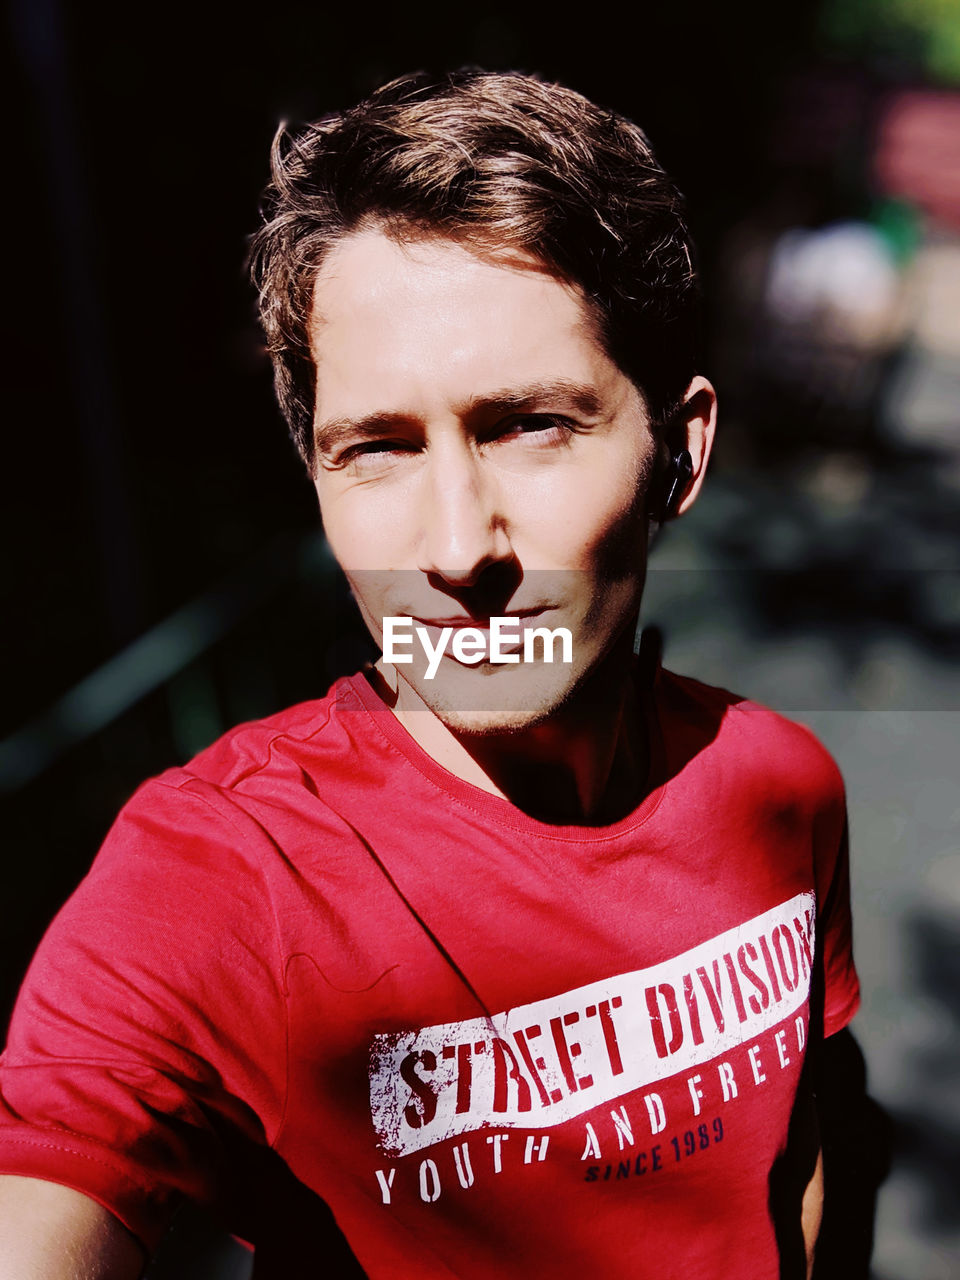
(585, 399)
(580, 396)
(335, 431)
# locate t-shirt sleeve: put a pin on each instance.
(147, 1043)
(841, 986)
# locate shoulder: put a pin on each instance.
(276, 784)
(259, 746)
(743, 734)
(303, 748)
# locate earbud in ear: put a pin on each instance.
(675, 480)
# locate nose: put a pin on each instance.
(463, 529)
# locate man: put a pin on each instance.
(511, 954)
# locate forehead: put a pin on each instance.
(436, 318)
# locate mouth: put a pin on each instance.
(481, 622)
(511, 640)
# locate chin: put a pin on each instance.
(481, 702)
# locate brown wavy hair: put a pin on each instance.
(504, 161)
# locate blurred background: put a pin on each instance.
(165, 574)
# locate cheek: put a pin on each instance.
(365, 530)
(369, 600)
(593, 520)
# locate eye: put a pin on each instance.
(535, 429)
(370, 455)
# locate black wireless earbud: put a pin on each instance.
(675, 480)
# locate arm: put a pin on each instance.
(811, 1213)
(129, 1074)
(796, 1189)
(856, 1137)
(51, 1232)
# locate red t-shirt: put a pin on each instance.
(313, 966)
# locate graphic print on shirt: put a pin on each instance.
(544, 1063)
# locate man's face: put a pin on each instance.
(478, 454)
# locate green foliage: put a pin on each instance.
(921, 33)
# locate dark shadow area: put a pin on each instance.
(856, 1136)
(295, 1233)
(196, 1248)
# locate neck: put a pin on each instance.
(586, 763)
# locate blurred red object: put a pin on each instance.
(917, 153)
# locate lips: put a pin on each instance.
(463, 620)
(526, 619)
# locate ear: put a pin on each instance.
(693, 429)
